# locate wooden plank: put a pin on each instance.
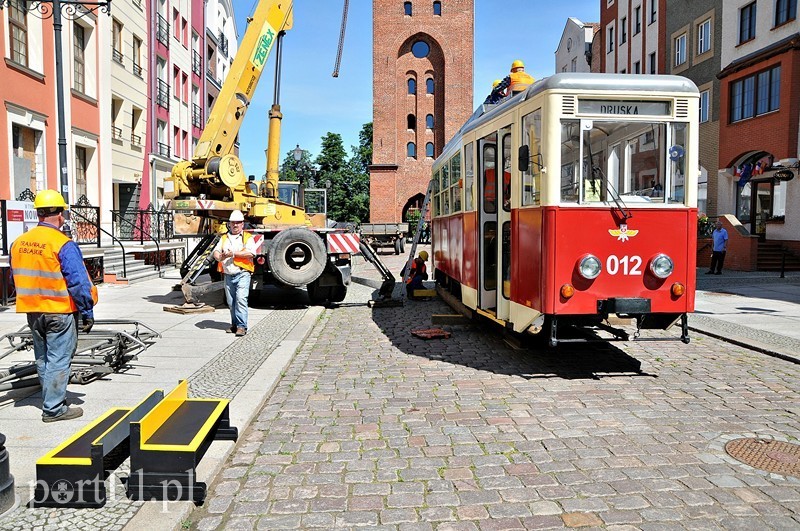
(186, 310)
(448, 319)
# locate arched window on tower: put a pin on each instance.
(412, 122)
(437, 8)
(412, 86)
(407, 9)
(429, 121)
(429, 85)
(429, 149)
(411, 150)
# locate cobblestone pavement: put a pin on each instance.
(373, 427)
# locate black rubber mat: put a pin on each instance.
(183, 425)
(81, 447)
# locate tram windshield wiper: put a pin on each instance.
(623, 209)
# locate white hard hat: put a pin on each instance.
(236, 215)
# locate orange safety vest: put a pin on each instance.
(244, 263)
(414, 271)
(41, 287)
(520, 81)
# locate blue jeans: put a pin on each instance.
(55, 339)
(237, 288)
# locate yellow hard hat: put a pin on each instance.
(517, 64)
(495, 83)
(49, 199)
(424, 255)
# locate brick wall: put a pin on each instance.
(776, 132)
(394, 177)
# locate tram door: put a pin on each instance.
(487, 223)
(504, 227)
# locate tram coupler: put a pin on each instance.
(685, 328)
(553, 342)
(619, 333)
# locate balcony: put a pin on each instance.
(116, 133)
(197, 64)
(117, 56)
(136, 140)
(137, 70)
(163, 149)
(223, 44)
(162, 32)
(162, 97)
(197, 116)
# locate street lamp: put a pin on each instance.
(72, 10)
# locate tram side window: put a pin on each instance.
(488, 158)
(435, 206)
(469, 176)
(455, 179)
(445, 189)
(570, 159)
(532, 179)
(677, 163)
(505, 134)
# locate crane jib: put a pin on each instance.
(265, 41)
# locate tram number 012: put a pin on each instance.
(625, 265)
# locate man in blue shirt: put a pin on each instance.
(718, 249)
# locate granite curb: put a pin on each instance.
(708, 326)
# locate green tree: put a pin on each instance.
(359, 175)
(332, 167)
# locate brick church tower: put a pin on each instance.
(422, 93)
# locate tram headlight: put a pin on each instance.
(589, 267)
(661, 266)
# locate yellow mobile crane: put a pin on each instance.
(213, 183)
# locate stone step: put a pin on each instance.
(130, 268)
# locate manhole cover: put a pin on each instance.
(773, 456)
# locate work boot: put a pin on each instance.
(231, 329)
(69, 414)
(240, 332)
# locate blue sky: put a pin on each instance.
(313, 102)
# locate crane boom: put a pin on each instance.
(225, 119)
(214, 166)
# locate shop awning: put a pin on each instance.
(777, 176)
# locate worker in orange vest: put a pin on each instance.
(234, 253)
(419, 272)
(518, 80)
(53, 287)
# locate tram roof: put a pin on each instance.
(580, 81)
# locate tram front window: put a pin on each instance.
(644, 162)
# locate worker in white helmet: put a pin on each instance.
(234, 253)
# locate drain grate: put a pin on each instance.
(773, 456)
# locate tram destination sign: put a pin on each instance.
(624, 108)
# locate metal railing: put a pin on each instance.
(162, 31)
(148, 225)
(223, 44)
(162, 95)
(137, 70)
(136, 140)
(197, 115)
(197, 63)
(163, 149)
(117, 56)
(116, 133)
(84, 222)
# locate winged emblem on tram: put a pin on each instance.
(623, 233)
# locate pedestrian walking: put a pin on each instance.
(53, 288)
(234, 253)
(719, 247)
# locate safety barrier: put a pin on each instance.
(168, 443)
(73, 474)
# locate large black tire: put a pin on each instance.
(398, 246)
(402, 244)
(297, 256)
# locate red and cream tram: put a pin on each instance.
(571, 202)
